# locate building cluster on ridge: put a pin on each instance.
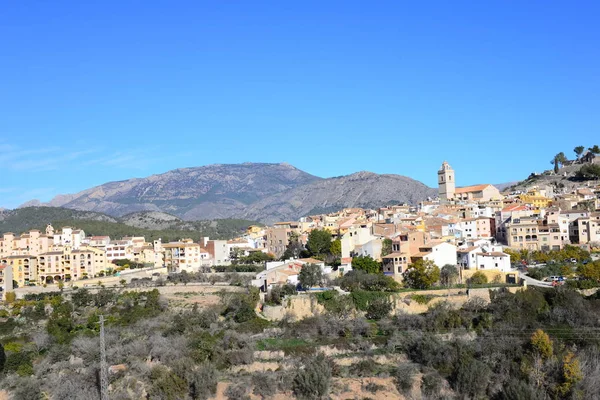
(466, 226)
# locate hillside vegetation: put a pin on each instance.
(150, 225)
(535, 344)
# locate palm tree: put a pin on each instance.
(579, 151)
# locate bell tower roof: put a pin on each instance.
(445, 166)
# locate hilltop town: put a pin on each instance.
(468, 227)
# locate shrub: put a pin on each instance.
(471, 378)
(314, 379)
(372, 387)
(362, 298)
(341, 306)
(203, 382)
(431, 384)
(364, 368)
(583, 284)
(422, 298)
(166, 384)
(265, 384)
(360, 280)
(10, 297)
(404, 377)
(238, 391)
(478, 278)
(278, 292)
(379, 308)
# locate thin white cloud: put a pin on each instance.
(136, 159)
(50, 158)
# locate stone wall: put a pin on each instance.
(305, 305)
(296, 307)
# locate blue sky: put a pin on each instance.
(92, 92)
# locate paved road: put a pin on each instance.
(533, 282)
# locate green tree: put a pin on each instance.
(515, 256)
(257, 257)
(386, 247)
(319, 242)
(310, 275)
(294, 247)
(595, 149)
(60, 324)
(367, 264)
(421, 274)
(588, 171)
(478, 278)
(336, 248)
(448, 274)
(379, 308)
(558, 160)
(579, 150)
(590, 270)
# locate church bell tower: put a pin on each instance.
(446, 184)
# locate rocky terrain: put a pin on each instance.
(362, 189)
(263, 192)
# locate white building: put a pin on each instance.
(484, 256)
(219, 251)
(440, 253)
(356, 236)
(6, 279)
(69, 237)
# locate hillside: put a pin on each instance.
(27, 218)
(264, 192)
(150, 225)
(362, 189)
(565, 181)
(209, 192)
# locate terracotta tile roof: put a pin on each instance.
(474, 188)
(310, 260)
(467, 250)
(393, 255)
(421, 254)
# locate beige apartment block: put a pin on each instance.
(277, 240)
(182, 256)
(24, 268)
(87, 261)
(523, 233)
(404, 246)
(588, 228)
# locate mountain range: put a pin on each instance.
(256, 191)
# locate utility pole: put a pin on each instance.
(103, 366)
